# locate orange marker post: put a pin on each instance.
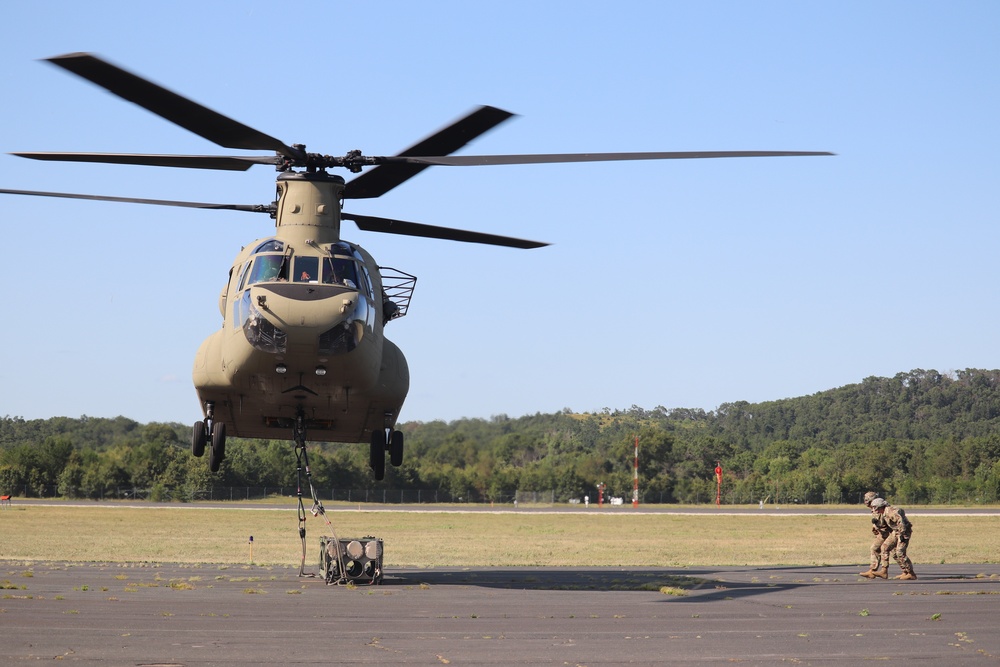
(718, 483)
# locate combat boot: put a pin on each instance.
(883, 573)
(870, 574)
(907, 576)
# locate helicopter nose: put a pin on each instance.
(341, 311)
(310, 306)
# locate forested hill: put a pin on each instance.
(921, 436)
(919, 405)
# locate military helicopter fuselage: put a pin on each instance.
(302, 335)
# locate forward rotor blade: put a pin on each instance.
(252, 208)
(477, 160)
(376, 182)
(190, 115)
(390, 226)
(226, 162)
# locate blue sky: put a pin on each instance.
(676, 283)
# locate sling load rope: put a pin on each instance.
(317, 509)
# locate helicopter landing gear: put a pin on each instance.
(199, 438)
(377, 459)
(396, 449)
(218, 446)
(207, 431)
(383, 440)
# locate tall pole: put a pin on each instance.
(718, 483)
(635, 476)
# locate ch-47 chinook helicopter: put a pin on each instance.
(302, 348)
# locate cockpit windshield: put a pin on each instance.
(340, 271)
(269, 268)
(274, 263)
(306, 269)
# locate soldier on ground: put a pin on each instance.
(881, 532)
(894, 518)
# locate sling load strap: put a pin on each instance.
(302, 463)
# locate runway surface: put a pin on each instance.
(506, 508)
(156, 615)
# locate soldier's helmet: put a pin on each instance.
(878, 502)
(869, 497)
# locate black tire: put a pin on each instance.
(218, 446)
(377, 459)
(198, 439)
(396, 449)
(373, 452)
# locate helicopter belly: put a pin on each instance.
(345, 409)
(259, 405)
(342, 394)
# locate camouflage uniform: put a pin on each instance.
(881, 532)
(894, 518)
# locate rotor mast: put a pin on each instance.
(308, 207)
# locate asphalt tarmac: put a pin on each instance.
(168, 614)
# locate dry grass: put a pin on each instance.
(190, 534)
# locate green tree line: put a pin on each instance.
(920, 436)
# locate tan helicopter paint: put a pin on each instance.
(363, 389)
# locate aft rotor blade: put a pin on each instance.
(190, 115)
(376, 182)
(478, 160)
(252, 208)
(226, 162)
(391, 226)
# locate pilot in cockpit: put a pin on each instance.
(338, 271)
(268, 268)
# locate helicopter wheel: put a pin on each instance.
(377, 459)
(396, 449)
(218, 446)
(198, 439)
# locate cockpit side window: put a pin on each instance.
(366, 281)
(244, 272)
(269, 268)
(306, 269)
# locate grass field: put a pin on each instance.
(192, 534)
